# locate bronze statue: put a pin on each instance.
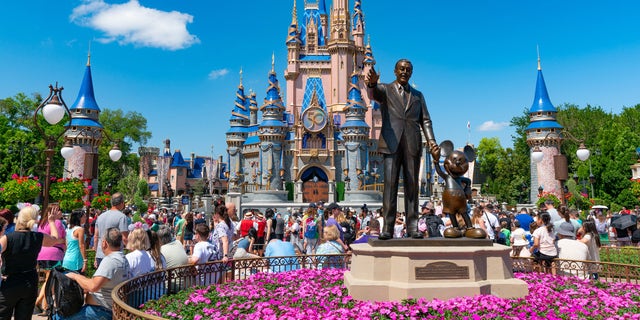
(404, 115)
(457, 189)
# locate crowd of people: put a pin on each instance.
(167, 239)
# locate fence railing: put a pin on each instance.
(129, 295)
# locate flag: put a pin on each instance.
(468, 124)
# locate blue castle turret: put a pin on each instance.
(544, 133)
(85, 131)
(271, 132)
(355, 132)
(237, 134)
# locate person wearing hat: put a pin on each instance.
(332, 212)
(570, 249)
(246, 224)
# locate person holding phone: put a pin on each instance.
(50, 257)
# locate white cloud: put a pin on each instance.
(131, 23)
(492, 126)
(215, 74)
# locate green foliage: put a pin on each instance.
(142, 189)
(69, 193)
(137, 217)
(101, 202)
(140, 204)
(20, 189)
(626, 255)
(548, 196)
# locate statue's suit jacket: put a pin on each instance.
(401, 121)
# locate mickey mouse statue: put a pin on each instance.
(458, 188)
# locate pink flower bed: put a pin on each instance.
(320, 294)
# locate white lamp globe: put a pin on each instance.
(53, 112)
(115, 154)
(537, 155)
(583, 153)
(67, 152)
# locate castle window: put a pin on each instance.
(539, 113)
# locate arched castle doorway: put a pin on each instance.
(315, 185)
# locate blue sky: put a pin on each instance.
(177, 62)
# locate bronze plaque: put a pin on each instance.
(442, 270)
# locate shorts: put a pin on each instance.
(188, 237)
(48, 264)
(544, 258)
(259, 244)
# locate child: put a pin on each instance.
(506, 233)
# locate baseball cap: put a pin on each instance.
(332, 206)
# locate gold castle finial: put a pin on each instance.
(294, 15)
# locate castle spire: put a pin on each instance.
(89, 55)
(292, 35)
(538, 49)
(358, 24)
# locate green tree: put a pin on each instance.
(126, 128)
(489, 153)
(142, 189)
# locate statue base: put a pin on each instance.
(427, 269)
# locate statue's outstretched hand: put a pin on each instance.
(372, 78)
(435, 149)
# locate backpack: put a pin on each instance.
(64, 295)
(311, 231)
(501, 238)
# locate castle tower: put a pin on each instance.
(253, 109)
(271, 132)
(355, 132)
(85, 132)
(357, 24)
(237, 134)
(545, 133)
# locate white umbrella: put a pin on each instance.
(599, 206)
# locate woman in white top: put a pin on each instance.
(476, 219)
(398, 228)
(140, 261)
(544, 248)
(592, 240)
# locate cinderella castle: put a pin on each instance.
(318, 142)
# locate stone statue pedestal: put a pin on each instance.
(431, 268)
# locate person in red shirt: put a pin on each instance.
(246, 224)
(262, 225)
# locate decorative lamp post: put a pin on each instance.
(53, 109)
(540, 190)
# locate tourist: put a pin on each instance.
(3, 229)
(113, 270)
(591, 238)
(294, 233)
(154, 250)
(398, 228)
(347, 228)
(524, 218)
(549, 205)
(75, 258)
(330, 246)
(271, 224)
(477, 219)
(50, 257)
(602, 225)
(518, 241)
(140, 261)
(570, 249)
(505, 234)
(310, 231)
(260, 225)
(245, 245)
(490, 221)
(331, 212)
(222, 236)
(563, 211)
(279, 227)
(113, 218)
(279, 248)
(8, 216)
(203, 251)
(187, 233)
(20, 250)
(371, 232)
(199, 219)
(179, 225)
(171, 249)
(246, 224)
(544, 249)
